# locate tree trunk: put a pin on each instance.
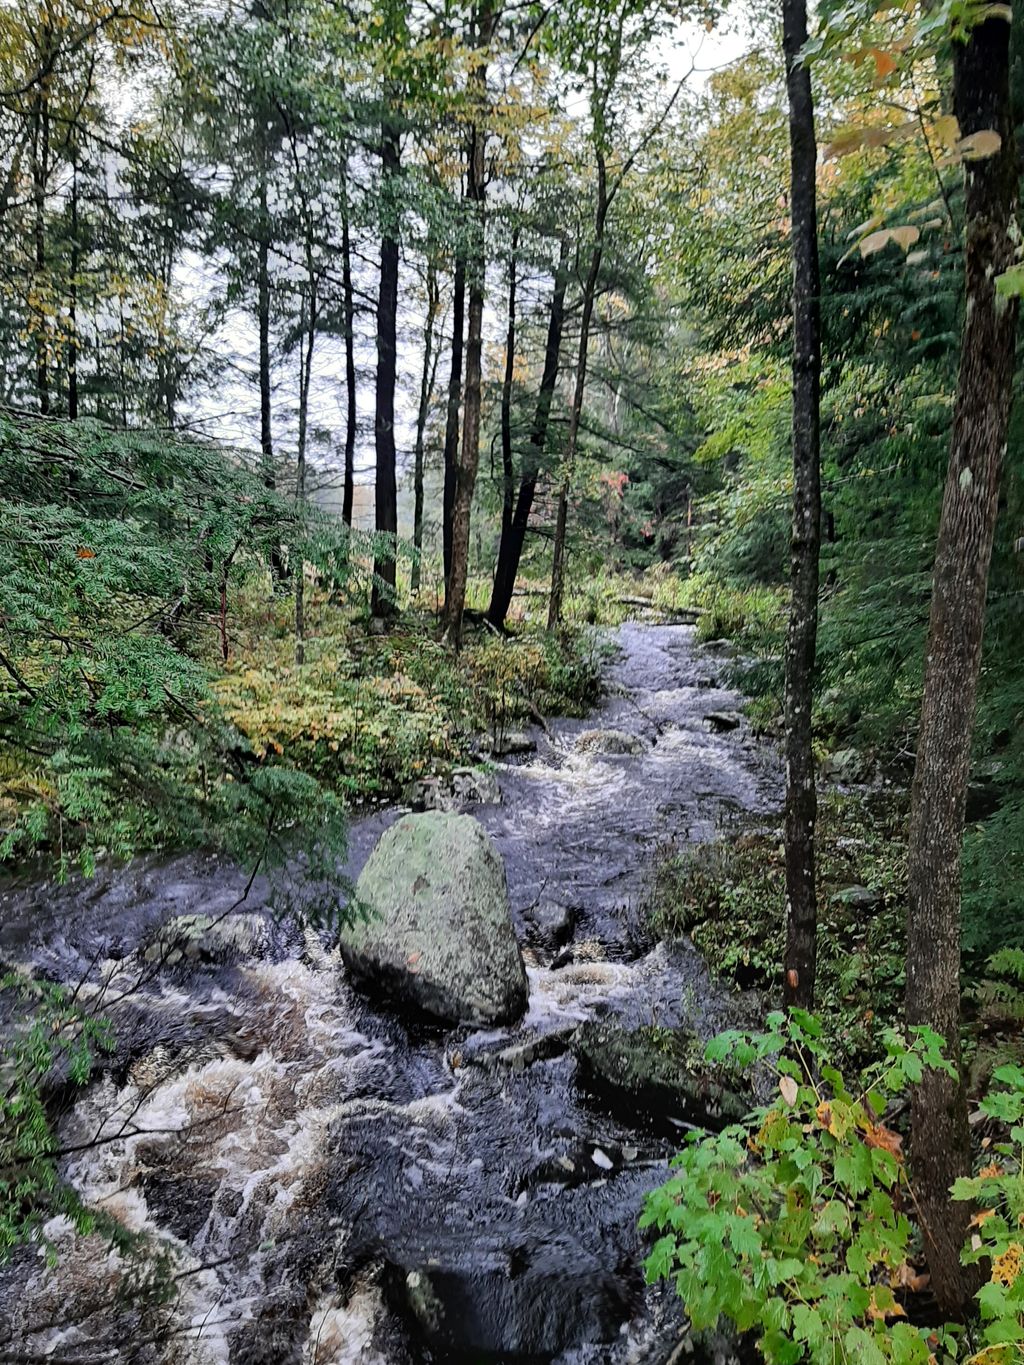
(305, 375)
(940, 1144)
(426, 389)
(40, 176)
(277, 568)
(510, 547)
(451, 430)
(73, 267)
(382, 598)
(507, 466)
(351, 415)
(465, 477)
(576, 412)
(805, 542)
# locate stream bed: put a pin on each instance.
(303, 1155)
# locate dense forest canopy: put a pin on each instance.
(359, 358)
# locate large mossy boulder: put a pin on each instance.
(438, 929)
(655, 1073)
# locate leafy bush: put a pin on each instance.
(792, 1226)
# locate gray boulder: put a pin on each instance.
(610, 742)
(438, 933)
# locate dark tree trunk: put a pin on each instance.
(940, 1145)
(351, 416)
(510, 548)
(40, 176)
(277, 568)
(451, 429)
(305, 375)
(423, 411)
(465, 476)
(73, 267)
(382, 599)
(805, 544)
(579, 391)
(507, 466)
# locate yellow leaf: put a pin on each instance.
(885, 65)
(906, 236)
(875, 241)
(789, 1089)
(976, 147)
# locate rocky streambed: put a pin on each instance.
(329, 1178)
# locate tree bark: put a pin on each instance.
(382, 598)
(469, 459)
(426, 388)
(277, 568)
(305, 376)
(805, 543)
(579, 391)
(351, 413)
(510, 547)
(40, 177)
(73, 267)
(451, 430)
(507, 465)
(940, 1143)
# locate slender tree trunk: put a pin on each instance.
(576, 411)
(805, 542)
(40, 176)
(465, 480)
(73, 266)
(382, 598)
(940, 1144)
(277, 567)
(305, 375)
(351, 417)
(510, 547)
(507, 467)
(426, 390)
(451, 430)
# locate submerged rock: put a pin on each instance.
(654, 1072)
(610, 742)
(722, 721)
(209, 939)
(439, 934)
(509, 1294)
(513, 743)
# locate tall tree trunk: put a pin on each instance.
(351, 417)
(451, 429)
(465, 479)
(73, 267)
(805, 542)
(507, 467)
(382, 599)
(40, 176)
(305, 375)
(422, 412)
(277, 567)
(940, 1146)
(579, 390)
(510, 547)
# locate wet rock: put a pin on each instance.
(861, 898)
(509, 1294)
(553, 923)
(612, 743)
(722, 721)
(521, 1055)
(209, 940)
(845, 765)
(439, 931)
(460, 789)
(653, 1072)
(512, 744)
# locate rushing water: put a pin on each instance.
(302, 1153)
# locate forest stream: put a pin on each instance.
(304, 1152)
